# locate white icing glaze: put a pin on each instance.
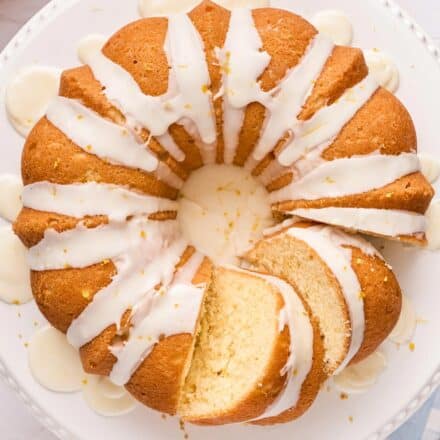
(299, 363)
(88, 45)
(71, 248)
(162, 8)
(162, 314)
(271, 172)
(15, 285)
(242, 62)
(430, 166)
(53, 362)
(137, 275)
(29, 94)
(326, 242)
(290, 95)
(223, 211)
(80, 200)
(280, 226)
(404, 330)
(360, 377)
(383, 69)
(105, 398)
(355, 175)
(11, 188)
(323, 127)
(170, 145)
(388, 222)
(188, 95)
(433, 225)
(335, 25)
(99, 136)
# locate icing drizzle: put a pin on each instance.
(341, 177)
(92, 198)
(99, 136)
(188, 95)
(387, 222)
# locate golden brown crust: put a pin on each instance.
(382, 300)
(63, 294)
(391, 133)
(158, 380)
(49, 155)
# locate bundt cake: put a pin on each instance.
(259, 89)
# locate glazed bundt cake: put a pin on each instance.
(102, 170)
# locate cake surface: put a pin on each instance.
(103, 171)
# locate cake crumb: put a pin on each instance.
(412, 346)
(182, 428)
(164, 416)
(84, 381)
(350, 419)
(343, 396)
(16, 302)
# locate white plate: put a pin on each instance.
(50, 38)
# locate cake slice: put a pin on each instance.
(351, 291)
(245, 364)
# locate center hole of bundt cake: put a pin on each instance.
(223, 210)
